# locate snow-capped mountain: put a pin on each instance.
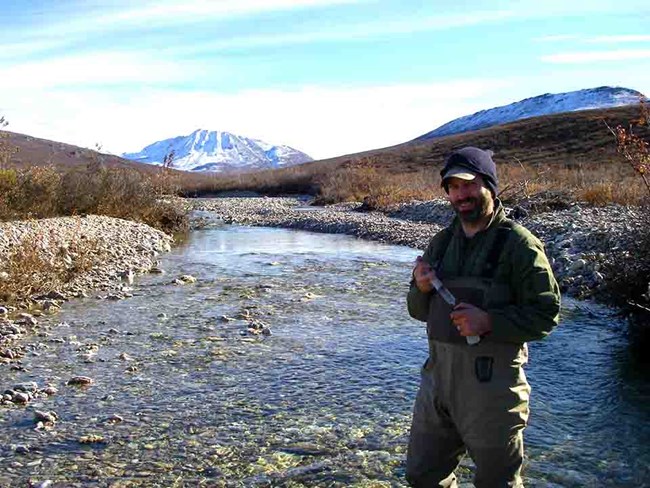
(205, 150)
(550, 103)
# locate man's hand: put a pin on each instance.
(470, 320)
(423, 274)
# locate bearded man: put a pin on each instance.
(473, 395)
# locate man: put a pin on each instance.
(474, 398)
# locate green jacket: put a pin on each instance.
(530, 307)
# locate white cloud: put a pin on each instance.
(557, 38)
(620, 39)
(165, 13)
(187, 10)
(96, 68)
(597, 56)
(361, 31)
(25, 48)
(321, 121)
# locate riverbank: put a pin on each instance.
(94, 253)
(580, 241)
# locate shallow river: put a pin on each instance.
(325, 400)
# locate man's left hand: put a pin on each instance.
(470, 320)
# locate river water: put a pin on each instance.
(325, 400)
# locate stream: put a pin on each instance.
(292, 361)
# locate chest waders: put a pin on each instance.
(471, 398)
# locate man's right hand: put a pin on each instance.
(423, 274)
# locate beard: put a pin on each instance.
(480, 208)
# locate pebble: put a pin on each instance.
(114, 419)
(20, 397)
(25, 318)
(27, 387)
(21, 449)
(80, 381)
(45, 417)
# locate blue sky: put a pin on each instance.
(328, 77)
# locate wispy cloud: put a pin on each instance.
(103, 68)
(322, 121)
(355, 32)
(26, 48)
(150, 15)
(596, 56)
(609, 39)
(190, 10)
(557, 38)
(620, 39)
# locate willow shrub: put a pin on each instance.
(41, 192)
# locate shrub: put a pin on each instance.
(630, 271)
(40, 192)
(34, 267)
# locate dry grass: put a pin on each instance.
(572, 154)
(35, 267)
(41, 192)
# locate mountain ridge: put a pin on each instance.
(218, 151)
(546, 104)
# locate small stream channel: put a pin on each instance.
(325, 400)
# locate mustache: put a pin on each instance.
(466, 200)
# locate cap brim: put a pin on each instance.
(461, 173)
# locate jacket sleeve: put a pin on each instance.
(416, 301)
(536, 306)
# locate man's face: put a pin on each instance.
(471, 200)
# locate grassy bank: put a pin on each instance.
(32, 267)
(41, 192)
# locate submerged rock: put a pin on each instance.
(80, 381)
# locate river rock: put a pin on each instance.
(27, 319)
(20, 397)
(80, 381)
(30, 386)
(114, 419)
(21, 449)
(45, 417)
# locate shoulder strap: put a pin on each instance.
(442, 248)
(492, 261)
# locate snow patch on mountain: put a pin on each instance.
(549, 103)
(205, 150)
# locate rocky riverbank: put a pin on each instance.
(94, 252)
(580, 241)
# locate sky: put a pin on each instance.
(327, 77)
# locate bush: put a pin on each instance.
(41, 192)
(33, 267)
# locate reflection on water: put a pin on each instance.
(323, 401)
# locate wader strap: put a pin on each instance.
(442, 248)
(492, 261)
(502, 233)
